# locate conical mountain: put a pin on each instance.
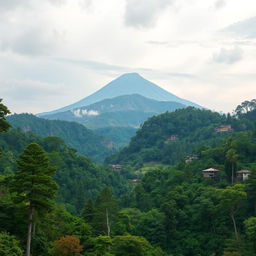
(126, 84)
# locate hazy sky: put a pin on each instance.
(55, 52)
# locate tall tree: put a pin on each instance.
(245, 107)
(250, 188)
(232, 157)
(4, 125)
(34, 184)
(231, 199)
(105, 212)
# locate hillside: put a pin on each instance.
(162, 211)
(170, 136)
(78, 177)
(127, 84)
(85, 141)
(122, 111)
(119, 135)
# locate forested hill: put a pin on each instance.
(78, 177)
(170, 136)
(85, 141)
(164, 210)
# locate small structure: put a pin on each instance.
(223, 128)
(190, 158)
(210, 173)
(116, 167)
(243, 174)
(172, 138)
(135, 180)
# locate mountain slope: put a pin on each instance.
(127, 110)
(127, 84)
(75, 135)
(170, 136)
(119, 135)
(79, 179)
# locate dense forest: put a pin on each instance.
(170, 136)
(75, 135)
(161, 201)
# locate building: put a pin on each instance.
(116, 167)
(172, 138)
(190, 158)
(210, 173)
(223, 128)
(243, 175)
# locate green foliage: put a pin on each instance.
(171, 210)
(105, 212)
(9, 245)
(75, 135)
(79, 179)
(170, 136)
(119, 135)
(250, 228)
(102, 245)
(4, 125)
(152, 227)
(33, 182)
(131, 246)
(245, 107)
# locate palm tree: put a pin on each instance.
(232, 157)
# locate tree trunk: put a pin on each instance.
(108, 226)
(30, 224)
(234, 223)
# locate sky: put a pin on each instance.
(56, 52)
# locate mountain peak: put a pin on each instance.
(126, 84)
(132, 74)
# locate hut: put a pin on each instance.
(223, 128)
(116, 167)
(243, 174)
(210, 173)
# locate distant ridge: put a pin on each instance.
(126, 84)
(122, 111)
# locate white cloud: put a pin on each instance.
(243, 29)
(86, 3)
(219, 4)
(228, 56)
(67, 49)
(34, 41)
(84, 112)
(144, 13)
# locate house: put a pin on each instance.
(172, 138)
(134, 180)
(210, 173)
(223, 128)
(243, 174)
(116, 167)
(190, 158)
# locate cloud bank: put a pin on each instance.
(144, 13)
(228, 56)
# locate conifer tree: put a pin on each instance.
(34, 184)
(105, 212)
